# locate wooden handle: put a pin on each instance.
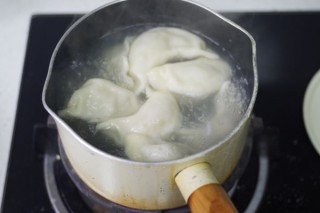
(211, 198)
(202, 191)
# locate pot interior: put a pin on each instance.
(75, 59)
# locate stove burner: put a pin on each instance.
(68, 193)
(62, 192)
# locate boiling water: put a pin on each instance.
(200, 129)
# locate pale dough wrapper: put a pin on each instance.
(99, 100)
(145, 148)
(115, 65)
(196, 78)
(159, 117)
(163, 45)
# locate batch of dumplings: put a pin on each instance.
(165, 95)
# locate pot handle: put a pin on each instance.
(202, 191)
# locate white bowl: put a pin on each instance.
(311, 110)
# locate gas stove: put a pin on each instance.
(281, 174)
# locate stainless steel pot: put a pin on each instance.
(138, 184)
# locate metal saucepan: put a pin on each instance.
(148, 185)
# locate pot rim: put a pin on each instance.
(92, 148)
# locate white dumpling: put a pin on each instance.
(159, 116)
(162, 45)
(196, 78)
(228, 108)
(98, 100)
(145, 148)
(196, 138)
(115, 65)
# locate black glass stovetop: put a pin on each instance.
(288, 55)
